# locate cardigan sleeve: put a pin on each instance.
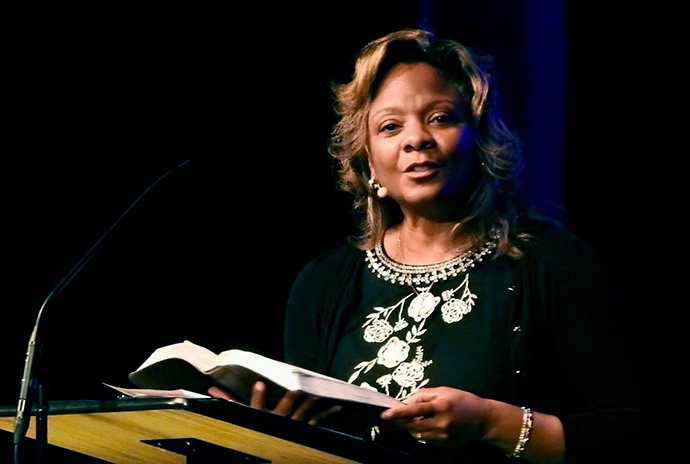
(595, 388)
(301, 336)
(314, 308)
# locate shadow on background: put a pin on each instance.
(105, 101)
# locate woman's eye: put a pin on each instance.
(390, 127)
(443, 119)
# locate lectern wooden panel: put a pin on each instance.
(173, 431)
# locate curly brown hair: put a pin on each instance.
(492, 208)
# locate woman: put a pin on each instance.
(490, 326)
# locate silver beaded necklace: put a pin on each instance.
(417, 275)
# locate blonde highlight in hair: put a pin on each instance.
(492, 208)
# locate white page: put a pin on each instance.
(148, 393)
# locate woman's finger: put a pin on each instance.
(286, 403)
(222, 394)
(258, 399)
(422, 395)
(408, 411)
(300, 413)
(315, 419)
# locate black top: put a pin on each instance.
(536, 332)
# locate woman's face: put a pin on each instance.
(419, 143)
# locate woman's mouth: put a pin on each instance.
(423, 169)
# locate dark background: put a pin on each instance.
(104, 100)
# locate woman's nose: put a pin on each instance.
(418, 138)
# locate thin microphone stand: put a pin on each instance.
(32, 378)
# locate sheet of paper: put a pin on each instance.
(147, 393)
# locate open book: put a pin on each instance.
(191, 367)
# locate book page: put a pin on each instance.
(281, 373)
(200, 357)
(297, 379)
(149, 393)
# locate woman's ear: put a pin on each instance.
(372, 172)
(379, 189)
(369, 162)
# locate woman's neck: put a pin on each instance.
(420, 241)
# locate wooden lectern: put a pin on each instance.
(175, 430)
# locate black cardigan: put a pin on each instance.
(568, 358)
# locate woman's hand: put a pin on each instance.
(455, 418)
(443, 415)
(292, 404)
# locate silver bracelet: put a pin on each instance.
(525, 432)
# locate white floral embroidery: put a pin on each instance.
(385, 381)
(378, 331)
(393, 353)
(408, 375)
(367, 386)
(379, 319)
(422, 306)
(401, 324)
(453, 310)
